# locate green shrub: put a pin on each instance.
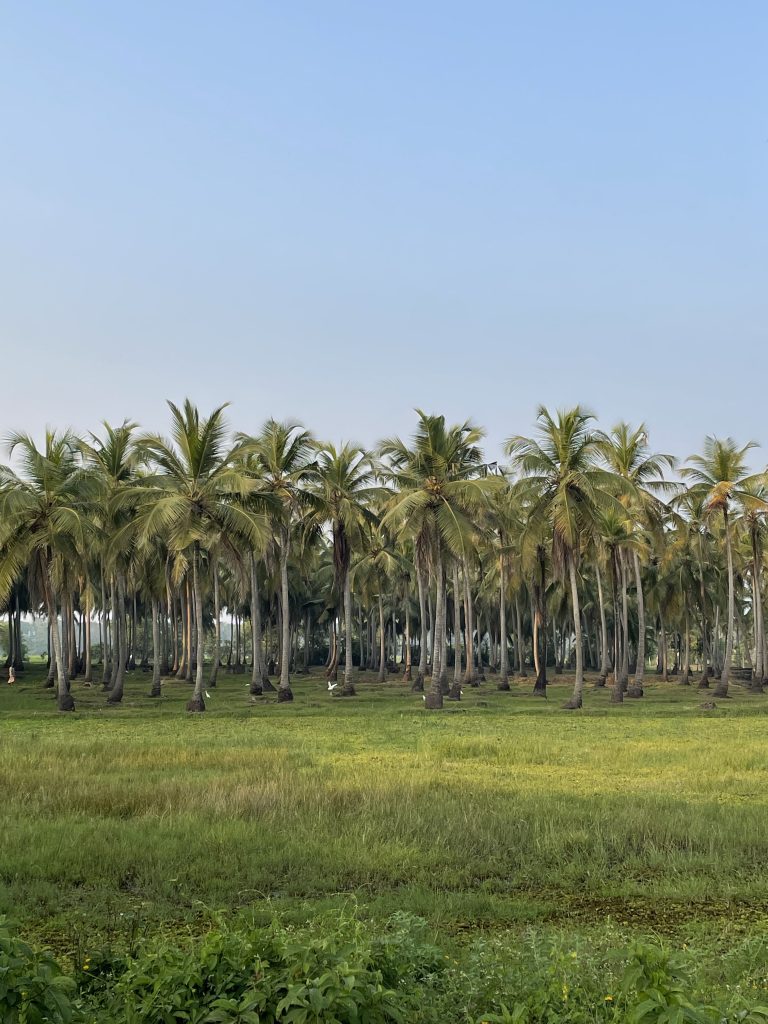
(33, 989)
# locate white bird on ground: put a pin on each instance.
(423, 697)
(207, 695)
(331, 686)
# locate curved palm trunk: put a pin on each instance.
(578, 686)
(418, 684)
(156, 653)
(434, 699)
(284, 692)
(455, 691)
(348, 689)
(721, 690)
(197, 703)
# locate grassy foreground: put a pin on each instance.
(501, 812)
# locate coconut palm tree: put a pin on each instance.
(112, 462)
(285, 456)
(640, 478)
(43, 527)
(721, 478)
(344, 480)
(570, 488)
(197, 497)
(439, 486)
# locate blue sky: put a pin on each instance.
(340, 211)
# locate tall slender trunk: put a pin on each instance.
(540, 621)
(455, 693)
(382, 643)
(64, 700)
(257, 666)
(519, 639)
(624, 621)
(721, 690)
(156, 650)
(636, 690)
(105, 645)
(88, 654)
(216, 623)
(469, 627)
(284, 692)
(115, 633)
(407, 652)
(116, 693)
(348, 689)
(757, 614)
(578, 686)
(686, 677)
(617, 693)
(418, 684)
(601, 679)
(434, 699)
(197, 703)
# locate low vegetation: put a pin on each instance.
(552, 870)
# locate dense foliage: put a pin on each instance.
(344, 972)
(588, 550)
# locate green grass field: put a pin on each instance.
(500, 812)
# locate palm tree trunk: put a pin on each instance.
(721, 690)
(469, 627)
(455, 693)
(757, 615)
(116, 693)
(156, 651)
(519, 639)
(257, 670)
(540, 621)
(418, 683)
(64, 698)
(88, 677)
(601, 679)
(434, 699)
(197, 703)
(284, 692)
(382, 643)
(407, 653)
(578, 686)
(686, 677)
(348, 689)
(640, 667)
(216, 623)
(624, 622)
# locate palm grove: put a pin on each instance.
(587, 551)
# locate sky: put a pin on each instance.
(340, 211)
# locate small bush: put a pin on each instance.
(33, 989)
